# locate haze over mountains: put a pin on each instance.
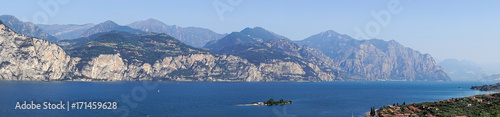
(26, 28)
(108, 51)
(64, 32)
(194, 36)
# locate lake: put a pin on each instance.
(219, 98)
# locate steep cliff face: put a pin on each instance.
(376, 59)
(194, 67)
(28, 58)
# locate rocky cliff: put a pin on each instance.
(28, 58)
(376, 59)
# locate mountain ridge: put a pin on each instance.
(194, 36)
(26, 28)
(68, 31)
(112, 52)
(109, 26)
(376, 59)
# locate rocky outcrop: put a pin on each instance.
(376, 59)
(28, 58)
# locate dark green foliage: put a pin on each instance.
(147, 48)
(271, 102)
(493, 87)
(480, 106)
(372, 111)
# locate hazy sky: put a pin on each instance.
(460, 29)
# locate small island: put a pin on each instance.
(493, 87)
(269, 102)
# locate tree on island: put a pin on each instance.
(280, 102)
(372, 111)
(270, 101)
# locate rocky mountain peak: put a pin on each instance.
(9, 17)
(110, 26)
(108, 23)
(147, 23)
(26, 28)
(329, 33)
(259, 32)
(153, 21)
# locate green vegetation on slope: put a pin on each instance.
(473, 106)
(145, 48)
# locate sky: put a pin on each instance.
(457, 29)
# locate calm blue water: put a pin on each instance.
(218, 98)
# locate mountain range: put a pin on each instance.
(65, 32)
(110, 52)
(194, 36)
(26, 28)
(109, 26)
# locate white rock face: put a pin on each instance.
(198, 67)
(27, 58)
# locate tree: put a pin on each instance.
(270, 101)
(372, 111)
(404, 103)
(281, 101)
